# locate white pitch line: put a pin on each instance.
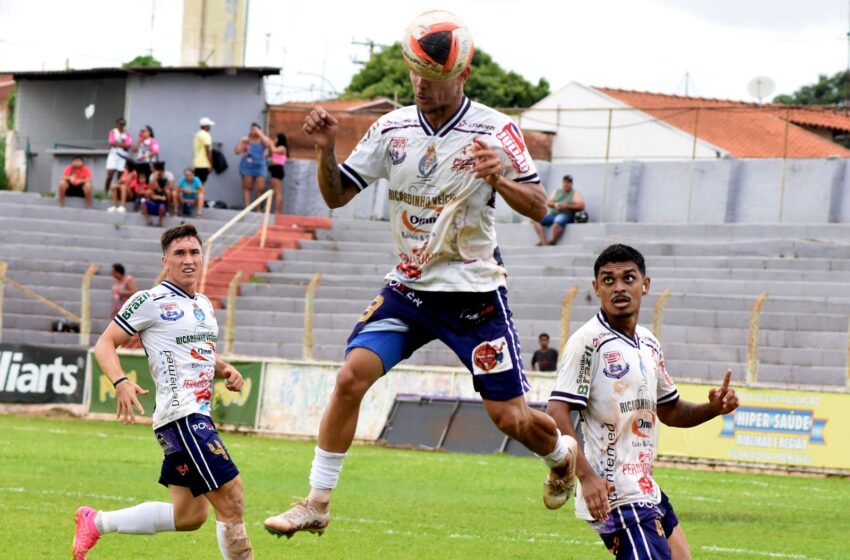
(20, 490)
(764, 553)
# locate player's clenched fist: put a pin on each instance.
(321, 128)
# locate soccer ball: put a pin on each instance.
(437, 45)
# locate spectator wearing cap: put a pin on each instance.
(76, 181)
(202, 144)
(120, 141)
(563, 205)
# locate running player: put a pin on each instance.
(445, 158)
(613, 373)
(179, 333)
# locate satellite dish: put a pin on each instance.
(761, 87)
(89, 111)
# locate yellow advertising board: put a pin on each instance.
(774, 426)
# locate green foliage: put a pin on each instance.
(390, 504)
(10, 109)
(142, 60)
(828, 90)
(4, 181)
(386, 74)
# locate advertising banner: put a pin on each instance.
(228, 407)
(774, 426)
(41, 375)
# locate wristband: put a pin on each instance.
(118, 381)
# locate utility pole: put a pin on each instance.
(367, 43)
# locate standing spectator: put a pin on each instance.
(563, 205)
(154, 202)
(165, 180)
(280, 151)
(546, 358)
(147, 151)
(202, 144)
(126, 188)
(119, 145)
(253, 165)
(122, 288)
(191, 194)
(76, 181)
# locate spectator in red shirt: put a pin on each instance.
(76, 181)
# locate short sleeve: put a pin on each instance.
(112, 139)
(154, 146)
(368, 162)
(67, 172)
(573, 382)
(137, 314)
(518, 166)
(666, 392)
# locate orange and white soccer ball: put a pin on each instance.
(437, 45)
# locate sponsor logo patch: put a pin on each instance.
(615, 365)
(511, 140)
(170, 311)
(465, 161)
(491, 357)
(397, 150)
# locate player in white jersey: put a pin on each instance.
(613, 374)
(179, 332)
(445, 159)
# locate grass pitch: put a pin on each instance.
(391, 504)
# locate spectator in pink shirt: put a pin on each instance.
(147, 151)
(120, 142)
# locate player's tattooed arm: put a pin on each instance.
(683, 414)
(321, 128)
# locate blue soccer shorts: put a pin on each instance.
(477, 326)
(639, 531)
(195, 456)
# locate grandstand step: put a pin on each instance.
(309, 223)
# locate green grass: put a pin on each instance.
(391, 503)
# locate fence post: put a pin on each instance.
(85, 306)
(784, 164)
(2, 287)
(231, 313)
(607, 156)
(848, 356)
(658, 314)
(266, 221)
(566, 312)
(309, 299)
(753, 339)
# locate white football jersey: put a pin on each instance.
(442, 217)
(616, 383)
(179, 333)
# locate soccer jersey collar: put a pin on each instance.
(465, 104)
(625, 338)
(177, 290)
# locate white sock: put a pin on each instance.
(233, 541)
(324, 473)
(557, 456)
(144, 519)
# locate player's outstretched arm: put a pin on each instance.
(321, 129)
(224, 370)
(529, 199)
(683, 414)
(594, 489)
(106, 353)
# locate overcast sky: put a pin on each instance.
(647, 45)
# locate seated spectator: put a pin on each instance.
(137, 194)
(546, 358)
(563, 205)
(154, 201)
(122, 288)
(76, 181)
(165, 179)
(191, 193)
(125, 188)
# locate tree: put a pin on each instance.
(829, 90)
(142, 60)
(386, 75)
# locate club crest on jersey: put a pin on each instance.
(170, 311)
(428, 163)
(200, 316)
(491, 357)
(397, 152)
(615, 366)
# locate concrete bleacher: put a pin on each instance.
(714, 273)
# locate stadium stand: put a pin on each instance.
(714, 274)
